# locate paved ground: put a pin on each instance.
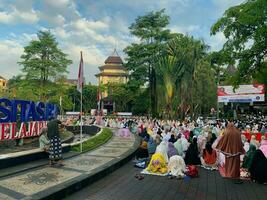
(35, 183)
(122, 185)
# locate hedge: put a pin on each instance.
(95, 141)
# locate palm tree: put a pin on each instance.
(170, 68)
(176, 69)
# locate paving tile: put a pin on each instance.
(86, 162)
(109, 151)
(5, 197)
(38, 180)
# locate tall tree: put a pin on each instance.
(170, 68)
(190, 52)
(152, 33)
(204, 88)
(42, 59)
(89, 97)
(245, 28)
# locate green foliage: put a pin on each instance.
(95, 141)
(205, 89)
(152, 32)
(245, 28)
(141, 103)
(89, 97)
(42, 59)
(65, 135)
(186, 54)
(20, 88)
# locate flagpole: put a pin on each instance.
(81, 121)
(81, 80)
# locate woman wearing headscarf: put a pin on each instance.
(254, 142)
(185, 143)
(249, 157)
(171, 150)
(142, 151)
(258, 166)
(151, 146)
(192, 154)
(231, 146)
(177, 166)
(209, 157)
(157, 164)
(162, 148)
(179, 147)
(172, 139)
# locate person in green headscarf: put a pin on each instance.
(249, 157)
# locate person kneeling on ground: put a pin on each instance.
(142, 151)
(192, 154)
(43, 140)
(209, 157)
(157, 164)
(176, 166)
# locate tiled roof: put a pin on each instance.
(1, 77)
(113, 60)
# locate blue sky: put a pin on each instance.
(96, 27)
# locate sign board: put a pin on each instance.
(242, 94)
(20, 118)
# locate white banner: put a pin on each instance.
(244, 93)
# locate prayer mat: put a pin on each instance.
(151, 173)
(244, 174)
(209, 168)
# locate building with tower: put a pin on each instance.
(3, 83)
(112, 71)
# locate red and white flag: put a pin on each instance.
(80, 75)
(99, 95)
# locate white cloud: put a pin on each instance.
(88, 26)
(216, 42)
(97, 27)
(16, 16)
(185, 29)
(92, 56)
(53, 20)
(8, 63)
(222, 5)
(57, 3)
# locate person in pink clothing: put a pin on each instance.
(263, 147)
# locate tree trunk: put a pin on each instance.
(153, 93)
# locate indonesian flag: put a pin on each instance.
(99, 96)
(80, 75)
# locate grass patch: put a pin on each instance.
(66, 134)
(95, 141)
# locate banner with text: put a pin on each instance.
(242, 94)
